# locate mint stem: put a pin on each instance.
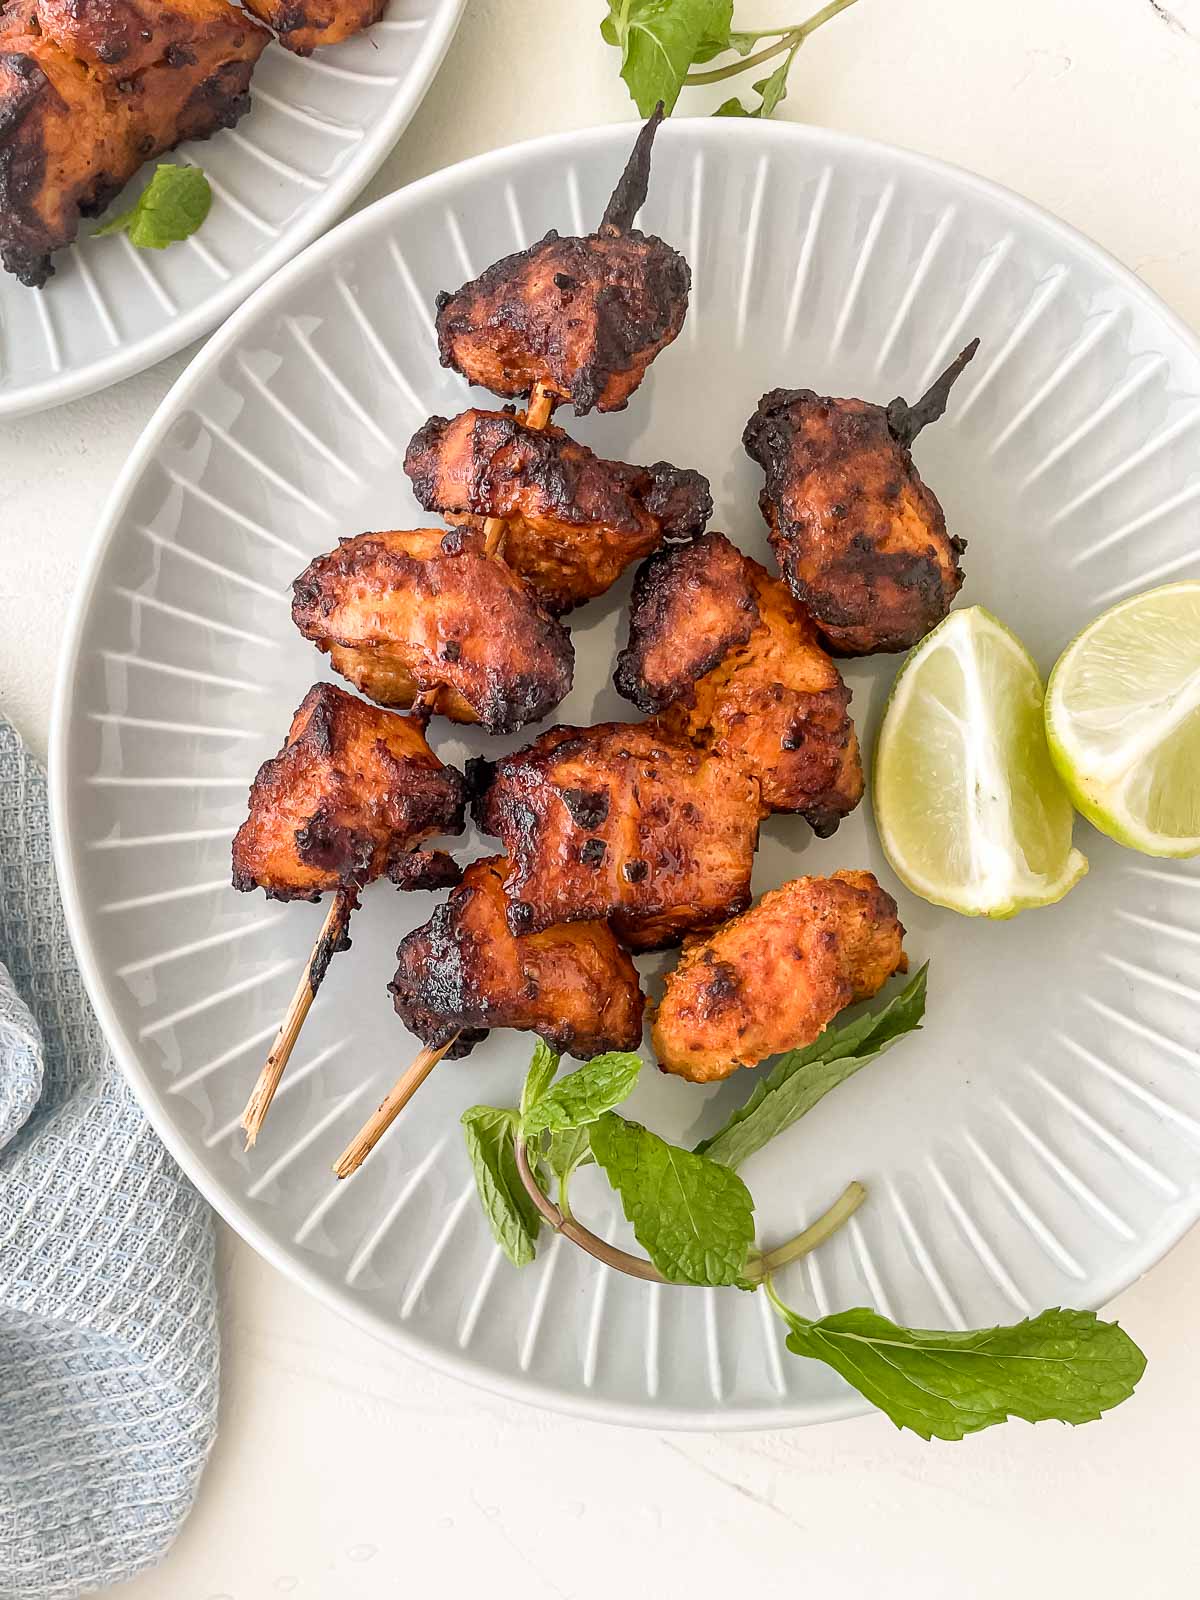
(792, 39)
(758, 1268)
(826, 1225)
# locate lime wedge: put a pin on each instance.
(1123, 721)
(967, 803)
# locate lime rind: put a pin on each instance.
(970, 811)
(1123, 721)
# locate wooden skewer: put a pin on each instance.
(541, 404)
(398, 1096)
(330, 940)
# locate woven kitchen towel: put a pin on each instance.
(108, 1336)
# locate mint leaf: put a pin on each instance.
(802, 1077)
(732, 108)
(512, 1215)
(543, 1065)
(584, 1095)
(693, 1217)
(659, 41)
(567, 1150)
(1064, 1366)
(170, 208)
(721, 39)
(774, 88)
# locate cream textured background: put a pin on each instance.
(343, 1471)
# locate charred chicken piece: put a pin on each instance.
(583, 316)
(349, 798)
(92, 89)
(774, 978)
(574, 522)
(728, 659)
(464, 972)
(623, 822)
(408, 613)
(860, 539)
(304, 25)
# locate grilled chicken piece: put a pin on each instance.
(464, 972)
(774, 978)
(91, 89)
(409, 612)
(583, 316)
(859, 537)
(623, 822)
(574, 521)
(348, 799)
(725, 656)
(304, 25)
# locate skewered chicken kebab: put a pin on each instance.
(352, 796)
(466, 972)
(730, 662)
(584, 317)
(625, 822)
(90, 90)
(775, 977)
(88, 93)
(860, 539)
(613, 825)
(573, 521)
(576, 319)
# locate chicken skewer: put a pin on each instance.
(351, 797)
(465, 972)
(584, 316)
(574, 520)
(860, 539)
(540, 409)
(576, 319)
(721, 654)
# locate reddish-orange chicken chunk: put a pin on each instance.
(860, 539)
(429, 612)
(775, 977)
(573, 521)
(465, 972)
(584, 317)
(304, 25)
(623, 822)
(349, 798)
(729, 660)
(91, 89)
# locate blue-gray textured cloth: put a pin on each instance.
(108, 1332)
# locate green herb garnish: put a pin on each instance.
(802, 1077)
(512, 1215)
(170, 208)
(694, 1217)
(661, 41)
(1063, 1366)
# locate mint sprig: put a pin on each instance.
(171, 207)
(694, 1217)
(662, 41)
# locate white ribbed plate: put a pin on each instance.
(316, 132)
(1037, 1144)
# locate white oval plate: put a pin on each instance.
(1038, 1144)
(317, 130)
